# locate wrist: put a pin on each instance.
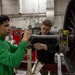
(44, 47)
(25, 40)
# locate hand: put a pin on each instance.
(27, 35)
(37, 46)
(40, 46)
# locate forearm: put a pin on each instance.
(13, 59)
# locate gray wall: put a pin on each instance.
(10, 6)
(29, 7)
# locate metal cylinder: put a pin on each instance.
(45, 36)
(29, 61)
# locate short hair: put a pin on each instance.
(3, 18)
(47, 22)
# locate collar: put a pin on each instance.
(2, 38)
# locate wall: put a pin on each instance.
(23, 23)
(33, 11)
(34, 6)
(10, 6)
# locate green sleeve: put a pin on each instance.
(13, 59)
(13, 47)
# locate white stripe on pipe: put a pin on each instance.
(59, 64)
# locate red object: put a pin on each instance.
(17, 36)
(47, 67)
(54, 68)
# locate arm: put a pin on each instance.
(49, 45)
(12, 47)
(13, 59)
(53, 47)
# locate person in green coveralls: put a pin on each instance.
(10, 55)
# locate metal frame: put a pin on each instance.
(63, 46)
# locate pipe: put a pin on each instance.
(29, 61)
(44, 36)
(20, 4)
(48, 36)
(59, 64)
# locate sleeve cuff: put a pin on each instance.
(24, 43)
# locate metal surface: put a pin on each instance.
(37, 67)
(45, 36)
(49, 36)
(29, 60)
(59, 64)
(20, 8)
(50, 14)
(50, 10)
